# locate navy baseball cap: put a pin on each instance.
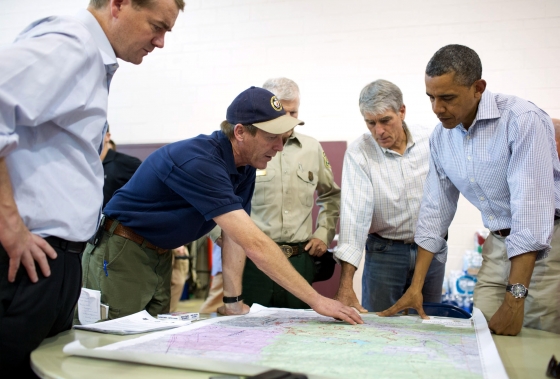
(261, 108)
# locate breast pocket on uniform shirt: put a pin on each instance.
(264, 187)
(307, 183)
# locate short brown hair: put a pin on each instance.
(97, 4)
(228, 128)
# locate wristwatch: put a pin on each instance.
(518, 290)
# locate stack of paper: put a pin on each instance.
(140, 322)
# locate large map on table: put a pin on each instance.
(303, 341)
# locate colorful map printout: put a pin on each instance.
(305, 342)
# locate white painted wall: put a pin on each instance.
(332, 49)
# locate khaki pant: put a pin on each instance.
(214, 299)
(179, 276)
(131, 278)
(542, 306)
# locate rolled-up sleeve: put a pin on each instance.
(439, 204)
(356, 208)
(328, 200)
(531, 186)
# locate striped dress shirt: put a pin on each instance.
(54, 83)
(506, 165)
(381, 191)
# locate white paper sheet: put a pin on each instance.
(88, 306)
(140, 322)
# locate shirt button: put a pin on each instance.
(491, 217)
(285, 172)
(469, 157)
(468, 137)
(481, 198)
(472, 180)
(285, 211)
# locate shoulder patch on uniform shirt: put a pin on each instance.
(261, 172)
(327, 164)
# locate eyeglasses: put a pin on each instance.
(553, 369)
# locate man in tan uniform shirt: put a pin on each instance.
(282, 205)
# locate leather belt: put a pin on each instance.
(292, 249)
(129, 234)
(505, 232)
(393, 241)
(69, 246)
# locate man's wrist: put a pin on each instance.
(232, 299)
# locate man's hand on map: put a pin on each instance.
(412, 298)
(508, 319)
(333, 308)
(347, 296)
(233, 309)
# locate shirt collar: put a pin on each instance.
(225, 143)
(294, 138)
(103, 44)
(487, 108)
(409, 142)
(110, 156)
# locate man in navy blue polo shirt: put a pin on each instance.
(179, 194)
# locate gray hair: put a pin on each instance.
(283, 88)
(380, 96)
(459, 59)
(228, 129)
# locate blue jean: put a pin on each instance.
(388, 271)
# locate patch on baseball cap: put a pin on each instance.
(261, 108)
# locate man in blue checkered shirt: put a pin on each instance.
(498, 151)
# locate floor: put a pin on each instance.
(191, 305)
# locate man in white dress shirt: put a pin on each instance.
(54, 82)
(382, 186)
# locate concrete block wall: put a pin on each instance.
(332, 49)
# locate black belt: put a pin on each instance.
(292, 249)
(69, 246)
(506, 232)
(389, 240)
(402, 242)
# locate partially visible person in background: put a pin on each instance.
(556, 123)
(282, 205)
(179, 275)
(214, 300)
(118, 168)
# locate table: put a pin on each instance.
(523, 356)
(527, 354)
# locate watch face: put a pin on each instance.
(518, 290)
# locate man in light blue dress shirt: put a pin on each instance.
(499, 152)
(54, 83)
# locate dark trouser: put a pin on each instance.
(259, 288)
(31, 312)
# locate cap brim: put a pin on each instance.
(279, 125)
